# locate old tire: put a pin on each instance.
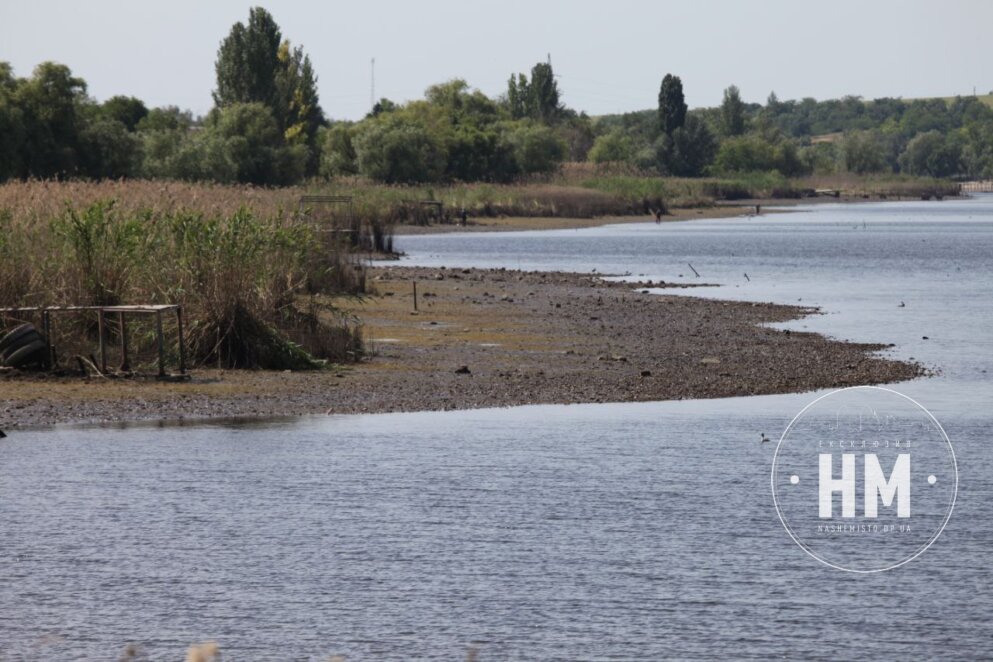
(15, 335)
(26, 354)
(22, 341)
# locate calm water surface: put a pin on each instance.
(637, 531)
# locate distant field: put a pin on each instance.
(985, 98)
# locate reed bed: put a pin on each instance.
(248, 279)
(392, 205)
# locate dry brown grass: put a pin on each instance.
(40, 200)
(237, 259)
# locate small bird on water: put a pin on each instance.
(764, 439)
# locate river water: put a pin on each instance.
(619, 531)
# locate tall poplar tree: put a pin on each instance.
(672, 105)
(255, 65)
(732, 112)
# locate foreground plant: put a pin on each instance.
(246, 281)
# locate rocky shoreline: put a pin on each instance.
(493, 338)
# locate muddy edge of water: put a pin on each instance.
(484, 338)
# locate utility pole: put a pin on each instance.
(372, 85)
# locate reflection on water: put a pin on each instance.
(557, 532)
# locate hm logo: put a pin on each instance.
(875, 485)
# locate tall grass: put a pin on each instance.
(402, 204)
(246, 279)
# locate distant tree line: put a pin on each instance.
(267, 127)
(262, 130)
(929, 137)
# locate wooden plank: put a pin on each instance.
(153, 308)
(148, 308)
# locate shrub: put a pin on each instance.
(393, 148)
(537, 149)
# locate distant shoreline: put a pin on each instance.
(720, 209)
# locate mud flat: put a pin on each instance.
(485, 338)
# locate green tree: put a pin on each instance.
(129, 111)
(243, 144)
(518, 96)
(481, 154)
(544, 94)
(108, 149)
(772, 105)
(255, 65)
(819, 158)
(539, 98)
(450, 95)
(537, 149)
(49, 103)
(745, 154)
(932, 154)
(160, 149)
(977, 153)
(299, 112)
(399, 148)
(862, 152)
(788, 160)
(470, 124)
(577, 132)
(672, 105)
(337, 151)
(384, 105)
(611, 148)
(732, 112)
(248, 62)
(12, 130)
(690, 149)
(168, 118)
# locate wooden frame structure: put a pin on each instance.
(121, 312)
(329, 200)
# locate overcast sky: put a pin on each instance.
(609, 56)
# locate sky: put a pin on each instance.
(609, 56)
